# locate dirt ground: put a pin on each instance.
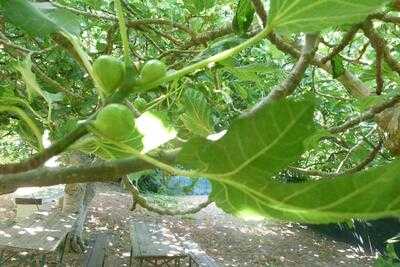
(230, 241)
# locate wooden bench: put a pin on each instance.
(157, 246)
(40, 234)
(201, 259)
(97, 250)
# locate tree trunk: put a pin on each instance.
(76, 200)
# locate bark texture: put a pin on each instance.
(76, 200)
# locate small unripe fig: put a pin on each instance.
(115, 121)
(152, 70)
(110, 71)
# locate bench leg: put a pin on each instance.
(130, 259)
(1, 258)
(176, 262)
(42, 261)
(61, 251)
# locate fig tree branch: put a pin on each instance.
(204, 38)
(130, 23)
(352, 84)
(354, 148)
(40, 158)
(349, 81)
(368, 115)
(288, 86)
(347, 38)
(380, 45)
(260, 10)
(99, 172)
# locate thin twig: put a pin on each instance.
(380, 44)
(260, 10)
(347, 38)
(359, 167)
(370, 114)
(130, 23)
(379, 72)
(288, 86)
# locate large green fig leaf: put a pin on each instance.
(39, 19)
(243, 17)
(256, 146)
(197, 114)
(197, 6)
(32, 86)
(243, 163)
(105, 150)
(290, 16)
(368, 195)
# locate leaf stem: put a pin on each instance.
(99, 86)
(216, 58)
(123, 31)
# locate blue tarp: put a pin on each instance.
(179, 185)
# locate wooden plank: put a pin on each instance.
(202, 259)
(41, 231)
(96, 254)
(135, 246)
(152, 240)
(28, 201)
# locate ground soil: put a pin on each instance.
(230, 241)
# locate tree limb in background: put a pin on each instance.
(370, 114)
(359, 167)
(130, 23)
(380, 44)
(288, 86)
(379, 71)
(138, 199)
(260, 10)
(205, 37)
(100, 172)
(347, 38)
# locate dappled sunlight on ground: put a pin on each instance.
(229, 240)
